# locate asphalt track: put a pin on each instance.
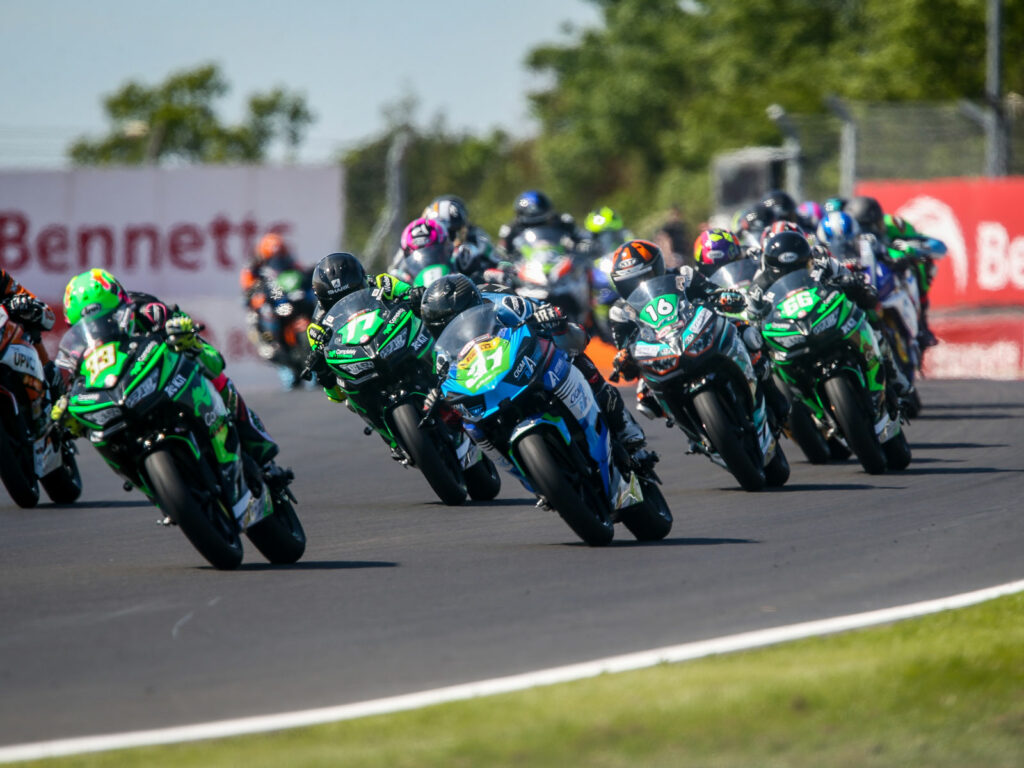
(109, 623)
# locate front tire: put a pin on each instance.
(729, 440)
(205, 523)
(581, 509)
(856, 424)
(18, 469)
(432, 455)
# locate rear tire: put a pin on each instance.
(206, 525)
(64, 484)
(776, 471)
(482, 480)
(18, 469)
(857, 425)
(805, 433)
(280, 537)
(897, 452)
(729, 440)
(581, 509)
(650, 520)
(432, 455)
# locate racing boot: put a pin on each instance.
(647, 403)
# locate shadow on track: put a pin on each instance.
(663, 543)
(969, 406)
(965, 416)
(911, 470)
(122, 504)
(313, 565)
(951, 446)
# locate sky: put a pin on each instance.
(460, 58)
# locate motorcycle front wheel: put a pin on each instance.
(431, 453)
(204, 522)
(570, 496)
(856, 423)
(730, 440)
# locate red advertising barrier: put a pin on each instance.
(981, 221)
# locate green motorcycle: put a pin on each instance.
(161, 425)
(382, 355)
(826, 353)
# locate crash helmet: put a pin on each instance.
(633, 263)
(422, 232)
(269, 246)
(95, 291)
(715, 248)
(336, 276)
(810, 212)
(786, 252)
(756, 219)
(868, 213)
(783, 225)
(450, 212)
(533, 207)
(835, 204)
(447, 297)
(839, 231)
(897, 227)
(603, 219)
(781, 205)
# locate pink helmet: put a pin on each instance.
(420, 233)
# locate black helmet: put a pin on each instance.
(868, 213)
(447, 297)
(450, 212)
(781, 205)
(533, 207)
(786, 252)
(756, 220)
(633, 263)
(336, 276)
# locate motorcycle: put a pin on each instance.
(825, 351)
(549, 270)
(523, 399)
(381, 354)
(161, 425)
(286, 302)
(424, 266)
(698, 367)
(32, 452)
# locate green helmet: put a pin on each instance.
(898, 227)
(95, 291)
(602, 220)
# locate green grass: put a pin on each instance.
(943, 690)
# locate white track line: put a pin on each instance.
(630, 661)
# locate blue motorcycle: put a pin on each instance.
(521, 399)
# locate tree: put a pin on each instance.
(176, 121)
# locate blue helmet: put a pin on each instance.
(533, 207)
(839, 230)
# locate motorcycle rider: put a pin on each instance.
(533, 208)
(474, 253)
(35, 317)
(714, 248)
(96, 291)
(270, 258)
(640, 260)
(454, 294)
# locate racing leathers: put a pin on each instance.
(35, 317)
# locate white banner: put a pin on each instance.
(183, 234)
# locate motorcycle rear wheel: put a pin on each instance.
(776, 471)
(805, 433)
(482, 480)
(651, 519)
(204, 523)
(897, 451)
(730, 440)
(279, 537)
(856, 424)
(64, 484)
(432, 455)
(576, 503)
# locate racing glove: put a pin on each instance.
(59, 415)
(181, 334)
(316, 334)
(730, 301)
(387, 285)
(624, 365)
(550, 318)
(26, 309)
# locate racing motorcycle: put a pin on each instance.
(286, 298)
(823, 349)
(697, 365)
(523, 399)
(32, 450)
(382, 355)
(424, 266)
(551, 271)
(160, 424)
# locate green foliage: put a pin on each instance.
(175, 120)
